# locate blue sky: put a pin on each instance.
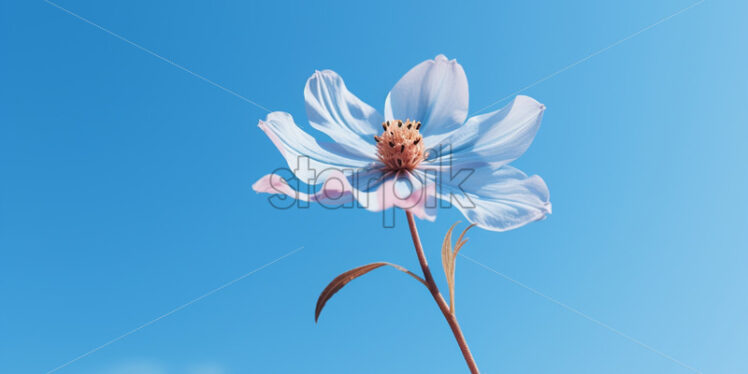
(125, 190)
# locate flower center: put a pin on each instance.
(400, 147)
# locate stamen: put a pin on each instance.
(405, 149)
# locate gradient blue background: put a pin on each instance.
(125, 190)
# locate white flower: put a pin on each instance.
(420, 151)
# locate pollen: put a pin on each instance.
(400, 147)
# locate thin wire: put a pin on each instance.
(583, 315)
(185, 305)
(154, 54)
(567, 67)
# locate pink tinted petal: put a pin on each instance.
(386, 192)
(407, 191)
(335, 191)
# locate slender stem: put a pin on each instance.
(451, 319)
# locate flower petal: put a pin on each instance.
(434, 92)
(335, 190)
(371, 188)
(497, 137)
(414, 191)
(500, 200)
(334, 110)
(305, 156)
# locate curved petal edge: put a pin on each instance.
(434, 92)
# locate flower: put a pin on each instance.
(421, 150)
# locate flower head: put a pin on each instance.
(421, 150)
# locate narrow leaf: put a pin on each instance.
(448, 262)
(447, 250)
(343, 279)
(460, 241)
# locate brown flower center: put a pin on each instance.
(400, 147)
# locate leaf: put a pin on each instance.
(448, 263)
(449, 260)
(343, 279)
(461, 242)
